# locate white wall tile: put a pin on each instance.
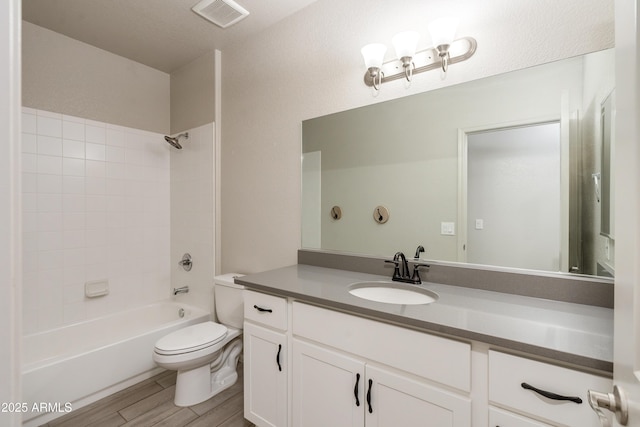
(88, 215)
(115, 137)
(49, 240)
(95, 134)
(74, 258)
(29, 163)
(50, 114)
(49, 260)
(95, 185)
(95, 151)
(73, 130)
(114, 154)
(29, 143)
(73, 239)
(95, 168)
(29, 202)
(49, 183)
(96, 203)
(73, 221)
(96, 221)
(73, 149)
(49, 203)
(29, 183)
(74, 291)
(73, 203)
(49, 221)
(49, 165)
(29, 123)
(73, 119)
(48, 126)
(48, 145)
(73, 167)
(73, 184)
(29, 222)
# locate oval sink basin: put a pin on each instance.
(392, 293)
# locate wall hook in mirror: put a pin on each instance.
(381, 214)
(336, 213)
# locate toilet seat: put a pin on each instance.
(192, 338)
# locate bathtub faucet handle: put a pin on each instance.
(182, 290)
(186, 262)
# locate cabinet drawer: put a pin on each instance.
(499, 418)
(265, 309)
(507, 374)
(438, 359)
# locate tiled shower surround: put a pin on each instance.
(95, 207)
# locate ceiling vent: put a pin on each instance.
(223, 13)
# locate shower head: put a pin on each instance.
(174, 140)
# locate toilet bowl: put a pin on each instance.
(206, 354)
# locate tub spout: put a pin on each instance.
(182, 290)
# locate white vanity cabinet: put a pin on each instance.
(350, 371)
(501, 418)
(308, 366)
(265, 360)
(518, 384)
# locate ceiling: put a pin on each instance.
(163, 34)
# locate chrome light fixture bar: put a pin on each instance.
(429, 59)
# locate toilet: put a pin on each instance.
(206, 354)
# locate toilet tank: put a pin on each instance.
(229, 301)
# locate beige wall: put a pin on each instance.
(193, 94)
(70, 77)
(310, 65)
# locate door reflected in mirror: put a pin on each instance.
(513, 193)
(410, 155)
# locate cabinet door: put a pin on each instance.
(265, 376)
(327, 387)
(397, 400)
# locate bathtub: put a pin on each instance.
(66, 368)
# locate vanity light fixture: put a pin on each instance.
(442, 33)
(373, 55)
(405, 44)
(445, 51)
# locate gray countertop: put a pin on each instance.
(576, 334)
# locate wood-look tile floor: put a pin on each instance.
(150, 403)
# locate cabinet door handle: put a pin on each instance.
(278, 357)
(355, 390)
(268, 310)
(550, 395)
(369, 396)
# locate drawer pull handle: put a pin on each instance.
(369, 396)
(268, 310)
(550, 395)
(355, 390)
(278, 357)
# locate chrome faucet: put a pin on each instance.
(182, 290)
(401, 270)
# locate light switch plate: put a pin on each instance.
(448, 228)
(479, 224)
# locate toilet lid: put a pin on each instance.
(191, 338)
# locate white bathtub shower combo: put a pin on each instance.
(84, 362)
(206, 354)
